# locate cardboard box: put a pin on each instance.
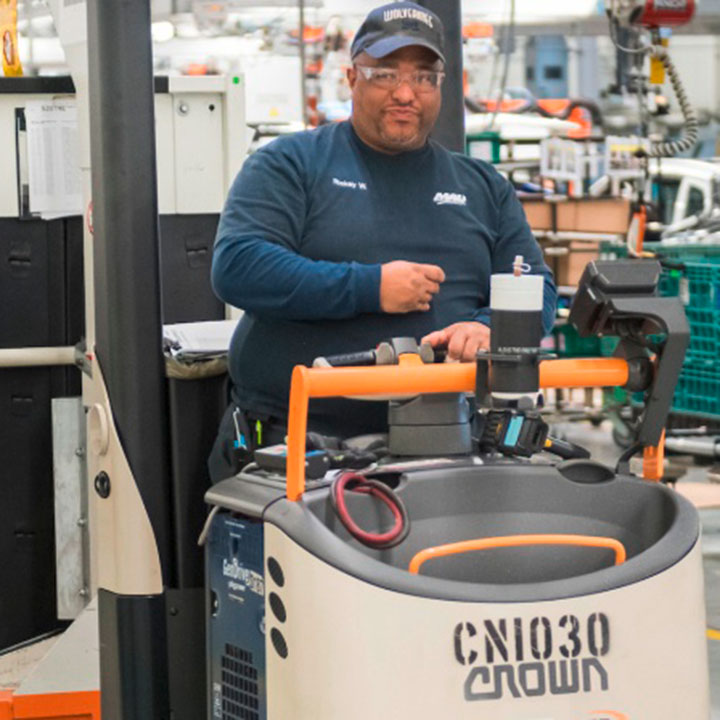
(600, 215)
(568, 266)
(539, 214)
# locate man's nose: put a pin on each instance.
(404, 91)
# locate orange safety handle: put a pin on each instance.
(516, 541)
(654, 460)
(641, 216)
(413, 377)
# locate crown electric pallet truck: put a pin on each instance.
(446, 570)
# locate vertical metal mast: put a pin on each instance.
(133, 644)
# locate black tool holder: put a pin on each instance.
(431, 425)
(619, 298)
(427, 425)
(517, 373)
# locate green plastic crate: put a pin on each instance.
(613, 251)
(620, 396)
(569, 344)
(669, 283)
(698, 390)
(704, 334)
(608, 345)
(700, 290)
(483, 146)
(687, 253)
(703, 285)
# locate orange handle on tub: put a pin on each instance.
(516, 541)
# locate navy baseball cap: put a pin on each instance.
(397, 25)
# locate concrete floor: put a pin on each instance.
(711, 555)
(17, 665)
(598, 441)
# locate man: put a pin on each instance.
(335, 239)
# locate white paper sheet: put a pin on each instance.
(53, 158)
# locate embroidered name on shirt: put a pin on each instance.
(351, 184)
(442, 198)
(408, 14)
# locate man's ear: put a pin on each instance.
(351, 74)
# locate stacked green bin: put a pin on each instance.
(483, 146)
(568, 344)
(698, 389)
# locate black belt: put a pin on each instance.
(251, 426)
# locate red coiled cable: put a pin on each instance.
(353, 482)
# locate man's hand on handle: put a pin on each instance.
(408, 286)
(462, 340)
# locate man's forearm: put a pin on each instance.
(267, 279)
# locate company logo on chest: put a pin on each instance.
(449, 198)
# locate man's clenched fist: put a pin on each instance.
(407, 286)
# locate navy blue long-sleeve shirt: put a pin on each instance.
(307, 225)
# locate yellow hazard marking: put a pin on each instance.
(713, 634)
